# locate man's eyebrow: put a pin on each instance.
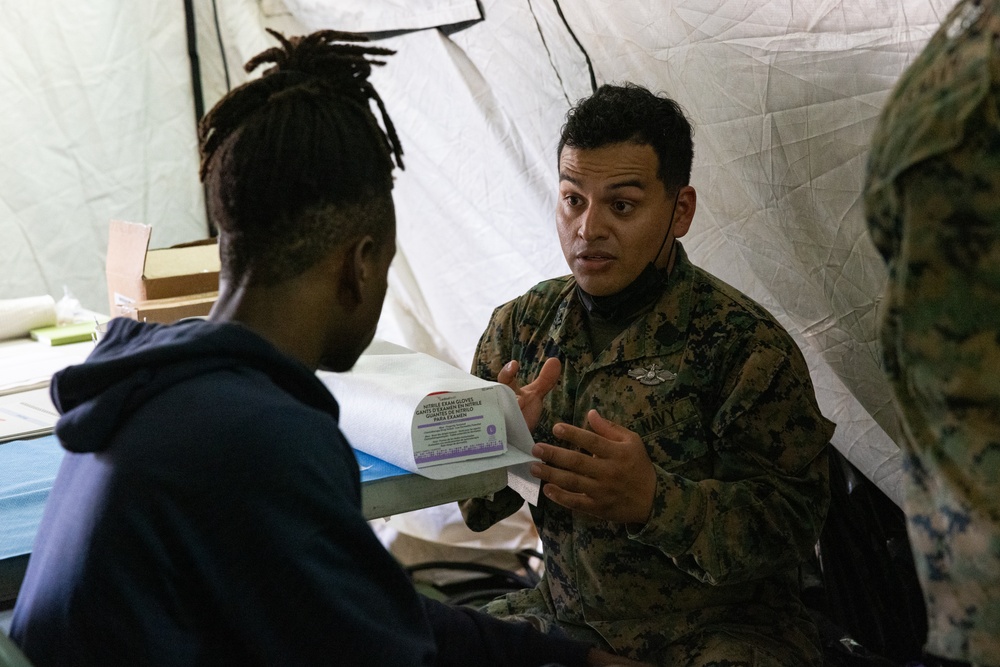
(631, 183)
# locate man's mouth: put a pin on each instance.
(594, 256)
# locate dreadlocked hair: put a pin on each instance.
(295, 162)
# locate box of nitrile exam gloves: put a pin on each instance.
(163, 284)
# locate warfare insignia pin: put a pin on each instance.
(651, 375)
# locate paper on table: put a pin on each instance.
(26, 415)
(379, 397)
(26, 364)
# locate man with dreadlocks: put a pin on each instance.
(208, 509)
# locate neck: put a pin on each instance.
(626, 304)
(274, 312)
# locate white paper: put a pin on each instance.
(26, 364)
(27, 414)
(380, 396)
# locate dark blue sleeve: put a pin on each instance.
(466, 637)
(239, 542)
(302, 575)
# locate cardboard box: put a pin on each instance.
(160, 285)
(173, 309)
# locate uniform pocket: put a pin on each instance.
(674, 435)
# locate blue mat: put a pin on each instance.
(28, 468)
(373, 468)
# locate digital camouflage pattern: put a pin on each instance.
(739, 446)
(933, 204)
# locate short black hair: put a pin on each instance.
(295, 162)
(630, 113)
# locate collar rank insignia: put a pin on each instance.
(651, 375)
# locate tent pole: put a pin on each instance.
(192, 43)
(196, 89)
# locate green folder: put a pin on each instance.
(68, 333)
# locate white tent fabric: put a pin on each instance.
(783, 95)
(96, 122)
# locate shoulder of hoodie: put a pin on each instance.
(266, 408)
(237, 427)
(247, 399)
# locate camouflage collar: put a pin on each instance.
(926, 112)
(656, 334)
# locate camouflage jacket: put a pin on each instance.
(739, 445)
(932, 199)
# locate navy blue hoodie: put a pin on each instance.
(208, 513)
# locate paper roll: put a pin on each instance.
(379, 397)
(19, 316)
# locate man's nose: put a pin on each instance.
(592, 225)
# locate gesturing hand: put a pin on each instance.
(529, 397)
(612, 478)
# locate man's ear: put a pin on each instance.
(687, 202)
(358, 269)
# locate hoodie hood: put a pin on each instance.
(136, 361)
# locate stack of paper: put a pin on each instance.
(27, 414)
(430, 418)
(26, 364)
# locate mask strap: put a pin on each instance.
(670, 228)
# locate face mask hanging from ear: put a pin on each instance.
(646, 287)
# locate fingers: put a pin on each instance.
(611, 477)
(604, 439)
(584, 440)
(569, 488)
(559, 461)
(605, 428)
(508, 375)
(547, 377)
(579, 502)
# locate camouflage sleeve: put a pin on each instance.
(941, 345)
(932, 201)
(762, 510)
(494, 350)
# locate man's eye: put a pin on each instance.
(622, 207)
(572, 200)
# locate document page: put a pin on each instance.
(26, 414)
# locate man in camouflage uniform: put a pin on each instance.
(686, 479)
(933, 205)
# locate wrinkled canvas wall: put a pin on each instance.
(96, 122)
(784, 97)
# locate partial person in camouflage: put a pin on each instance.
(933, 204)
(686, 479)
